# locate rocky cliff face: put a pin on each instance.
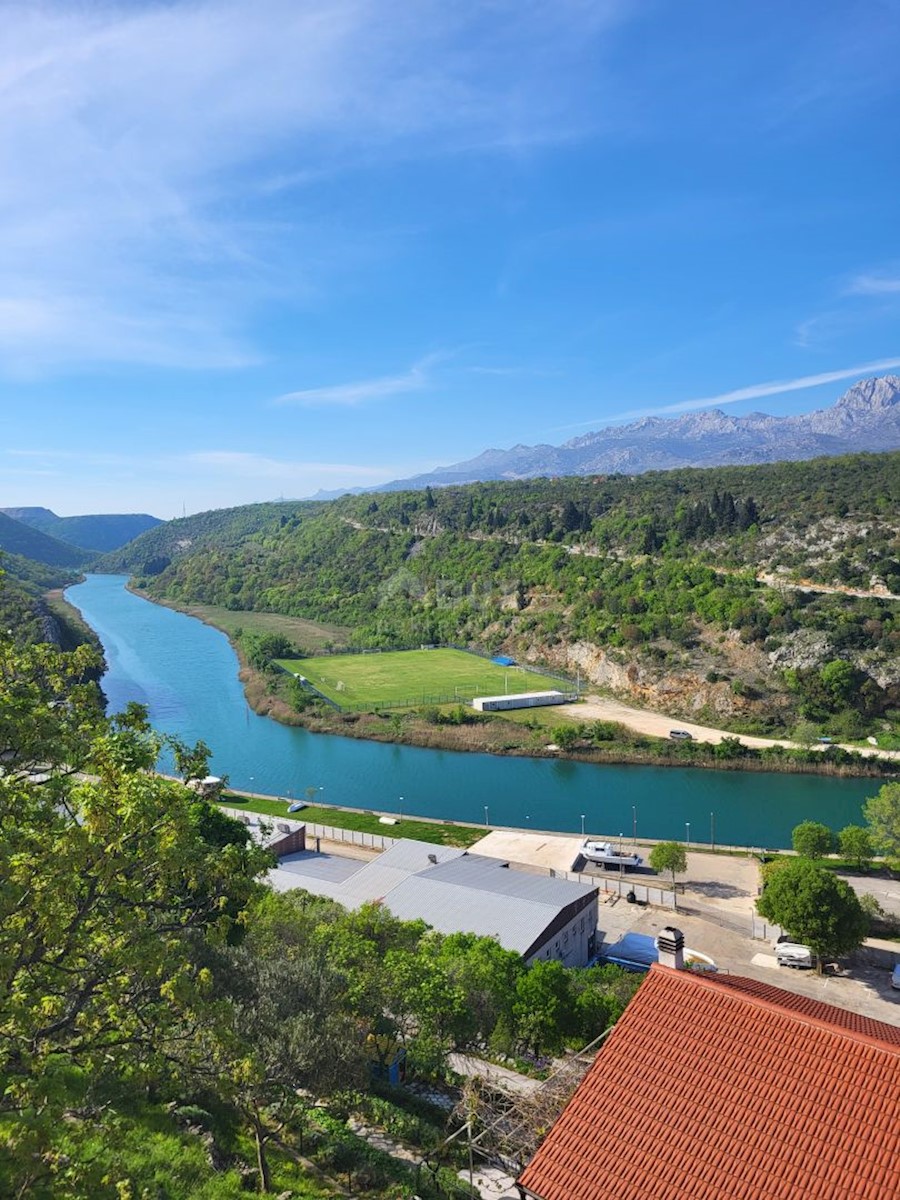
(681, 690)
(867, 417)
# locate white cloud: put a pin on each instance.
(361, 390)
(136, 223)
(754, 392)
(874, 285)
(260, 466)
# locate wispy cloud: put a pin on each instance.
(874, 285)
(514, 372)
(360, 391)
(755, 391)
(260, 466)
(135, 221)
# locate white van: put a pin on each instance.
(791, 954)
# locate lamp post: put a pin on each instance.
(687, 827)
(485, 815)
(582, 824)
(634, 822)
(400, 811)
(712, 830)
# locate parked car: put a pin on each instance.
(792, 954)
(895, 977)
(681, 735)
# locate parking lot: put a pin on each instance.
(716, 915)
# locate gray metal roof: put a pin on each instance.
(461, 893)
(451, 908)
(410, 856)
(320, 866)
(491, 875)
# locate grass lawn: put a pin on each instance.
(411, 677)
(444, 833)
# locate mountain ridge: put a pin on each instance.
(865, 418)
(96, 532)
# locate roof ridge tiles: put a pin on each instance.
(817, 1013)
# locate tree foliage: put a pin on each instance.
(815, 907)
(669, 856)
(812, 839)
(855, 842)
(882, 813)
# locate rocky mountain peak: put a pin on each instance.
(879, 393)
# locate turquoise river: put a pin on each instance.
(187, 675)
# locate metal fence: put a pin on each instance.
(571, 690)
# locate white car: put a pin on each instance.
(792, 954)
(681, 735)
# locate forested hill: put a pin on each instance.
(19, 538)
(630, 580)
(99, 532)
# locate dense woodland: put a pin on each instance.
(160, 1008)
(658, 570)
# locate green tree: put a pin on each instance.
(191, 762)
(882, 813)
(815, 908)
(812, 839)
(855, 842)
(286, 1029)
(565, 736)
(669, 856)
(545, 1007)
(110, 890)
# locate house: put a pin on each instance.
(455, 891)
(723, 1087)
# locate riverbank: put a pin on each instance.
(535, 734)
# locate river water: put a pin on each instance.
(187, 675)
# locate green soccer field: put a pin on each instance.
(410, 677)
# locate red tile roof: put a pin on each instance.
(724, 1087)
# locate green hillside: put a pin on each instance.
(656, 575)
(153, 551)
(21, 539)
(23, 610)
(100, 532)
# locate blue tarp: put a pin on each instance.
(502, 661)
(636, 951)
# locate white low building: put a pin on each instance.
(522, 700)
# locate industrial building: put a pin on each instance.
(455, 891)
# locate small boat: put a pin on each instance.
(607, 855)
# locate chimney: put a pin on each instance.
(670, 947)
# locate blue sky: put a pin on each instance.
(254, 250)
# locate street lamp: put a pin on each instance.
(634, 822)
(582, 824)
(485, 815)
(712, 830)
(687, 826)
(401, 808)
